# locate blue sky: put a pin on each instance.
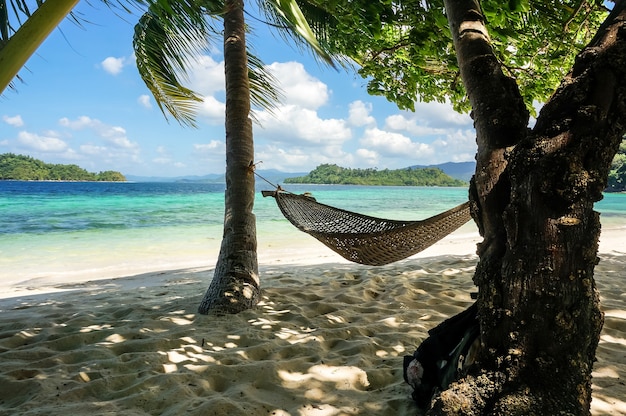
(83, 102)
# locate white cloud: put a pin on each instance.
(455, 146)
(15, 121)
(299, 87)
(165, 159)
(392, 144)
(113, 135)
(428, 119)
(212, 111)
(41, 143)
(211, 147)
(113, 65)
(370, 157)
(162, 160)
(78, 124)
(206, 76)
(360, 114)
(293, 124)
(90, 149)
(144, 100)
(298, 159)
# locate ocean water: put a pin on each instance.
(50, 229)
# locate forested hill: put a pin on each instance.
(333, 174)
(26, 168)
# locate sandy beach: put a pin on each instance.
(327, 338)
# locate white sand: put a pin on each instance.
(327, 338)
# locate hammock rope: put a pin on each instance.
(362, 238)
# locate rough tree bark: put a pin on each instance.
(235, 285)
(533, 195)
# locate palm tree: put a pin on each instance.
(163, 40)
(169, 34)
(18, 44)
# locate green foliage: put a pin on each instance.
(170, 35)
(617, 175)
(336, 175)
(110, 176)
(406, 52)
(26, 168)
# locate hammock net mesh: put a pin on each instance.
(364, 239)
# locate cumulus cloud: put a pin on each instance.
(113, 65)
(206, 76)
(144, 100)
(298, 86)
(428, 118)
(360, 114)
(211, 147)
(294, 124)
(370, 157)
(212, 110)
(15, 121)
(40, 143)
(389, 144)
(165, 159)
(113, 135)
(90, 149)
(299, 159)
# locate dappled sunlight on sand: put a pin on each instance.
(325, 340)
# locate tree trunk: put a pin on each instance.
(235, 285)
(533, 196)
(16, 50)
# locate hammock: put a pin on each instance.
(364, 239)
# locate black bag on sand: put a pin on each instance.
(449, 349)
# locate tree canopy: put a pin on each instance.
(333, 174)
(26, 168)
(405, 49)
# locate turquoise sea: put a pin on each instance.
(50, 229)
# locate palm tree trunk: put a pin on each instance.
(20, 46)
(235, 285)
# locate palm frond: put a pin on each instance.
(168, 37)
(288, 15)
(264, 92)
(19, 43)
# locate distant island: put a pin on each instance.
(25, 168)
(336, 175)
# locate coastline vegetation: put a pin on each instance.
(331, 174)
(26, 168)
(617, 174)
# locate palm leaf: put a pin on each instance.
(19, 43)
(167, 37)
(263, 91)
(288, 14)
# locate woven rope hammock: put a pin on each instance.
(364, 239)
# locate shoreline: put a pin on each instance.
(327, 338)
(295, 249)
